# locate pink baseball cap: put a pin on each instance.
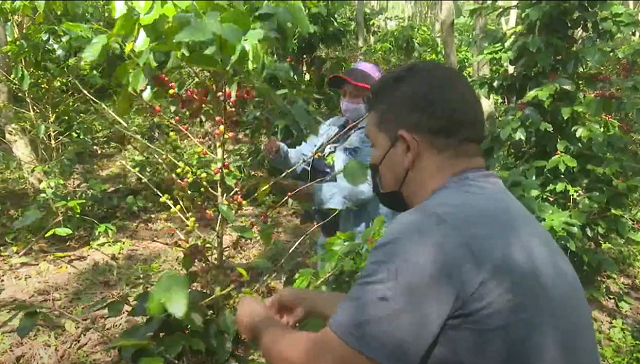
(363, 74)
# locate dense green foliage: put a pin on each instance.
(133, 108)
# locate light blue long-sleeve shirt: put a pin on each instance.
(358, 205)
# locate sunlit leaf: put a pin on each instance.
(153, 15)
(142, 42)
(243, 272)
(62, 231)
(169, 10)
(142, 6)
(92, 52)
(137, 81)
(172, 292)
(119, 8)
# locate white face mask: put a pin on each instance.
(352, 109)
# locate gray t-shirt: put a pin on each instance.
(468, 276)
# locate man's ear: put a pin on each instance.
(411, 145)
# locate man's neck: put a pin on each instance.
(425, 185)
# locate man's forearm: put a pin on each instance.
(323, 304)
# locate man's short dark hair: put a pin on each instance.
(431, 100)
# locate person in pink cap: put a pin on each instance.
(339, 140)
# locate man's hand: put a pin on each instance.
(272, 147)
(289, 305)
(251, 312)
(293, 305)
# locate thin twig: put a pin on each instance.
(173, 207)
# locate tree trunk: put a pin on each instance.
(17, 139)
(434, 12)
(360, 22)
(481, 67)
(447, 14)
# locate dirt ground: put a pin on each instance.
(73, 284)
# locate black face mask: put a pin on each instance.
(393, 200)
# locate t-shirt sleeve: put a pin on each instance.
(408, 288)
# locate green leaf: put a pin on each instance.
(243, 231)
(266, 234)
(152, 360)
(227, 323)
(26, 80)
(187, 262)
(62, 231)
(27, 323)
(225, 210)
(565, 84)
(300, 18)
(566, 112)
(142, 6)
(153, 15)
(356, 172)
(253, 37)
(118, 8)
(243, 272)
(140, 308)
(569, 160)
(197, 344)
(231, 32)
(173, 344)
(129, 342)
(172, 292)
(92, 52)
(124, 103)
(142, 42)
(195, 318)
(169, 10)
(27, 219)
(137, 81)
(40, 5)
(197, 31)
(114, 308)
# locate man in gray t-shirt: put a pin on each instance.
(465, 274)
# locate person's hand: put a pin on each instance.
(251, 311)
(289, 305)
(272, 147)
